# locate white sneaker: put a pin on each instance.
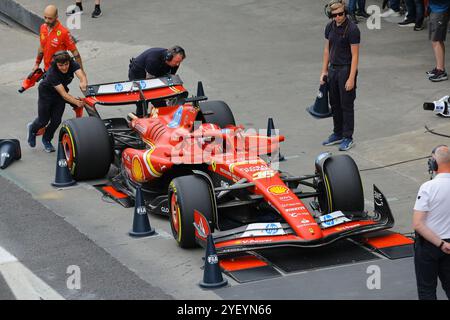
(390, 13)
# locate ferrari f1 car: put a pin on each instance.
(196, 166)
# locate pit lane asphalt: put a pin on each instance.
(264, 59)
(47, 245)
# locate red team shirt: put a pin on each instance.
(58, 39)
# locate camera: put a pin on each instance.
(440, 107)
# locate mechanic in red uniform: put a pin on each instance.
(54, 37)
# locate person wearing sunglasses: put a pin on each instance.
(340, 69)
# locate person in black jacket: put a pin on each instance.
(53, 95)
(154, 63)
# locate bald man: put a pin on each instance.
(431, 221)
(54, 37)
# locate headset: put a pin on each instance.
(327, 8)
(171, 52)
(432, 163)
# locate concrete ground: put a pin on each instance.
(263, 58)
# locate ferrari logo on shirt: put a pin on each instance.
(58, 33)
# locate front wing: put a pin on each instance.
(267, 235)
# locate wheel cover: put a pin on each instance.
(175, 216)
(68, 149)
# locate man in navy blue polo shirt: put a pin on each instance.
(154, 63)
(340, 66)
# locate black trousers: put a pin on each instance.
(136, 74)
(430, 264)
(50, 111)
(341, 101)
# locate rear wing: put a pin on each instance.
(129, 92)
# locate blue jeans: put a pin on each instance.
(394, 5)
(416, 10)
(352, 5)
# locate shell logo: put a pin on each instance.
(137, 170)
(276, 190)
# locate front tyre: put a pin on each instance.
(341, 186)
(186, 194)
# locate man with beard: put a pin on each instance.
(54, 37)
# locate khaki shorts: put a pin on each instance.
(438, 26)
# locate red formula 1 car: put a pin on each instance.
(189, 156)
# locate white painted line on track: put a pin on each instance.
(24, 284)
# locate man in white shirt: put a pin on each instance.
(431, 221)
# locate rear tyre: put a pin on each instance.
(217, 112)
(341, 186)
(186, 194)
(87, 147)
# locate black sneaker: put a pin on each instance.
(431, 72)
(77, 10)
(97, 13)
(419, 27)
(363, 14)
(440, 75)
(31, 137)
(407, 23)
(48, 147)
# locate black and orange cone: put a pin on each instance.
(141, 223)
(63, 178)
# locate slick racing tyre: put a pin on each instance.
(342, 187)
(186, 194)
(87, 147)
(217, 112)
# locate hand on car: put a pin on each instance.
(79, 103)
